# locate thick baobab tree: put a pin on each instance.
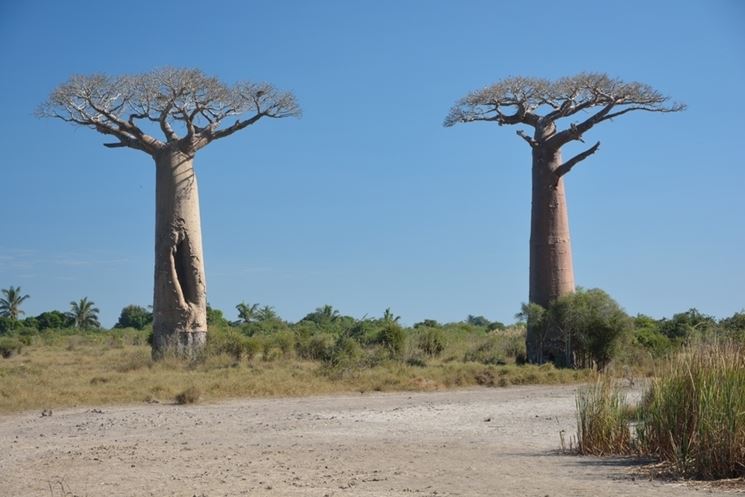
(189, 110)
(542, 106)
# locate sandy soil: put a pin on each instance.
(488, 442)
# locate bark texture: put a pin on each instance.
(180, 296)
(551, 269)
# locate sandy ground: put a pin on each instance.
(488, 442)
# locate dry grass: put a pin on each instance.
(83, 371)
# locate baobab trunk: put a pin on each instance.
(551, 272)
(179, 303)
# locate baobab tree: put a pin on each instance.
(542, 106)
(189, 110)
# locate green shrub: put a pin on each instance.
(7, 325)
(54, 320)
(513, 342)
(231, 342)
(215, 317)
(685, 325)
(496, 325)
(267, 347)
(365, 331)
(264, 327)
(189, 396)
(285, 342)
(134, 316)
(593, 323)
(346, 354)
(427, 323)
(431, 342)
(489, 351)
(316, 347)
(10, 346)
(393, 339)
(224, 342)
(652, 340)
(251, 347)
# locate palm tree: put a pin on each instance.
(84, 314)
(327, 313)
(10, 306)
(388, 316)
(267, 313)
(247, 312)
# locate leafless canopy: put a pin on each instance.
(541, 104)
(187, 106)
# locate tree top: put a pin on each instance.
(541, 102)
(187, 106)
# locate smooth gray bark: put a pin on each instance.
(179, 300)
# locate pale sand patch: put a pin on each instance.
(480, 442)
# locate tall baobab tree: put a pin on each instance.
(188, 109)
(542, 106)
(10, 304)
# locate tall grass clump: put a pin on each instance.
(694, 413)
(603, 419)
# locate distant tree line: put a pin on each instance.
(593, 329)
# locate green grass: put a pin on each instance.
(694, 413)
(691, 417)
(603, 417)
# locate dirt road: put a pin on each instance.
(484, 442)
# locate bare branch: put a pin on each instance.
(95, 102)
(541, 103)
(522, 134)
(264, 100)
(568, 165)
(674, 108)
(490, 103)
(177, 99)
(575, 131)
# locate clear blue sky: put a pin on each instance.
(367, 201)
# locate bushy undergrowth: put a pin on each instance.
(692, 415)
(10, 346)
(431, 341)
(189, 396)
